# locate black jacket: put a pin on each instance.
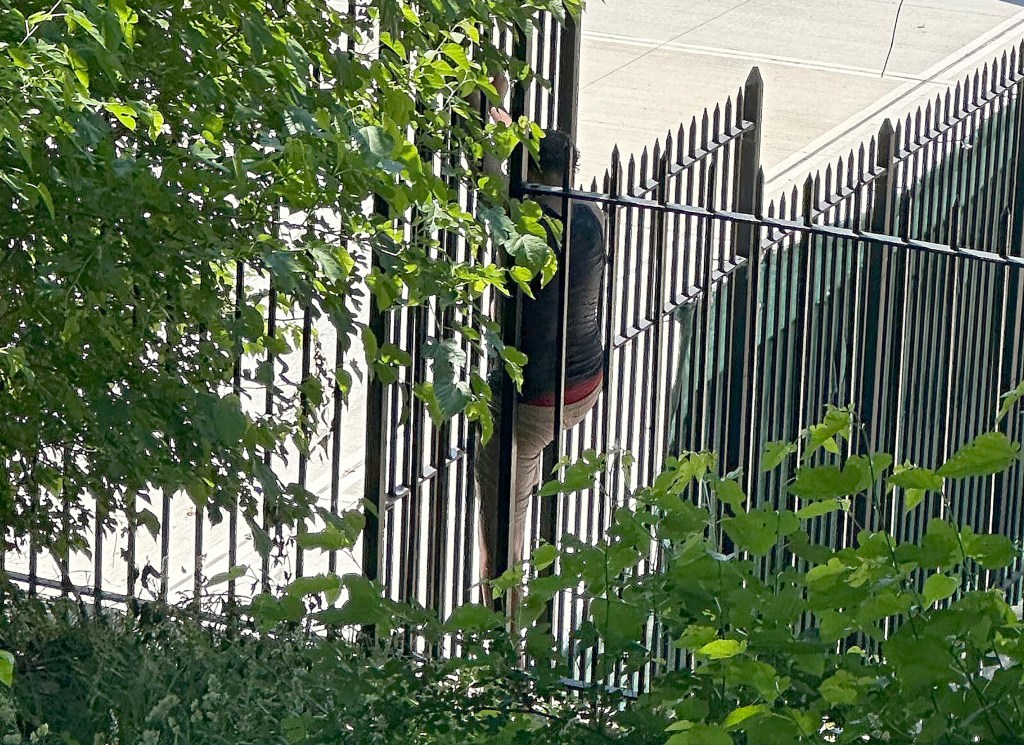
(584, 348)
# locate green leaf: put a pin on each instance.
(816, 509)
(722, 649)
(619, 623)
(335, 537)
(921, 662)
(44, 194)
(823, 482)
(837, 423)
(474, 618)
(841, 688)
(940, 546)
(729, 492)
(544, 556)
(742, 714)
(987, 454)
(229, 420)
(701, 734)
(775, 453)
(449, 395)
(124, 114)
(530, 251)
(991, 551)
(1010, 400)
(376, 142)
(912, 477)
(6, 668)
(578, 476)
(939, 587)
(151, 521)
(363, 607)
(912, 498)
(758, 530)
(314, 585)
(696, 636)
(231, 574)
(268, 611)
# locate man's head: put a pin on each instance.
(556, 155)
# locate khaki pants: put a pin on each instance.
(535, 427)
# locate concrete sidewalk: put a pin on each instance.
(649, 65)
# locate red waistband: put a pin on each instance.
(574, 394)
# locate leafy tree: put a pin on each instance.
(779, 638)
(153, 154)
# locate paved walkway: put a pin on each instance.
(650, 64)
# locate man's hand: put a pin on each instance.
(500, 116)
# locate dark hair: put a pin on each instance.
(556, 153)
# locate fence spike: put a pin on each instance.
(917, 126)
(828, 183)
(782, 207)
(644, 157)
(693, 137)
(976, 88)
(593, 184)
(759, 191)
(681, 144)
(1002, 68)
(860, 159)
(984, 77)
(810, 193)
(716, 123)
(928, 119)
(754, 78)
(655, 159)
(1019, 68)
(705, 123)
(728, 116)
(794, 201)
(947, 107)
(668, 147)
(956, 99)
(908, 131)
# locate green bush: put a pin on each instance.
(759, 635)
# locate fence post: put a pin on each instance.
(510, 315)
(376, 442)
(1017, 229)
(742, 408)
(882, 214)
(877, 299)
(746, 197)
(568, 76)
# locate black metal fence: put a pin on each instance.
(891, 282)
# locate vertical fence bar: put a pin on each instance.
(748, 198)
(376, 439)
(748, 162)
(877, 286)
(510, 313)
